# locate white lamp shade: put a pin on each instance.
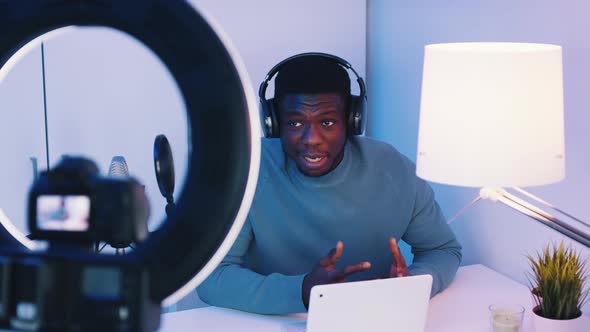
(491, 115)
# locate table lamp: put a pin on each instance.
(491, 116)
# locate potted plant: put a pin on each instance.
(557, 283)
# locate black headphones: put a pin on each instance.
(356, 110)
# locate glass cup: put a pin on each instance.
(506, 317)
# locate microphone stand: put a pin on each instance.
(170, 206)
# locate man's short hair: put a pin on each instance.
(312, 75)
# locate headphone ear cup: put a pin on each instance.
(274, 118)
(268, 119)
(264, 117)
(356, 116)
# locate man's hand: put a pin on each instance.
(326, 273)
(398, 266)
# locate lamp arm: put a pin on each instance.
(501, 195)
(497, 194)
(547, 204)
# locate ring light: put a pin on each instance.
(224, 145)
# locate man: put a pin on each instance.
(321, 188)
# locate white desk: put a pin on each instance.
(463, 306)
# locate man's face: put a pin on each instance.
(313, 131)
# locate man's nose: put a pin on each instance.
(311, 136)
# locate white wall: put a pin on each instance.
(106, 95)
(22, 134)
(398, 30)
(268, 31)
(109, 96)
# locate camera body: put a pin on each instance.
(72, 203)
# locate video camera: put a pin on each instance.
(72, 203)
(65, 288)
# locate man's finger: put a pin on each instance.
(350, 269)
(333, 255)
(325, 262)
(402, 272)
(339, 249)
(399, 260)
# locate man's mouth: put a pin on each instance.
(314, 159)
(312, 162)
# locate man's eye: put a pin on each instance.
(327, 123)
(294, 124)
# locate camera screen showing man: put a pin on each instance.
(69, 213)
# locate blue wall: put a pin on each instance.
(397, 32)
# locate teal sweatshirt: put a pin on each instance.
(295, 220)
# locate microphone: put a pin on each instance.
(164, 167)
(118, 167)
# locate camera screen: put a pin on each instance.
(70, 213)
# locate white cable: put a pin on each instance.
(475, 200)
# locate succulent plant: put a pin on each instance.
(558, 282)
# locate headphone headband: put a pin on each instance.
(339, 60)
